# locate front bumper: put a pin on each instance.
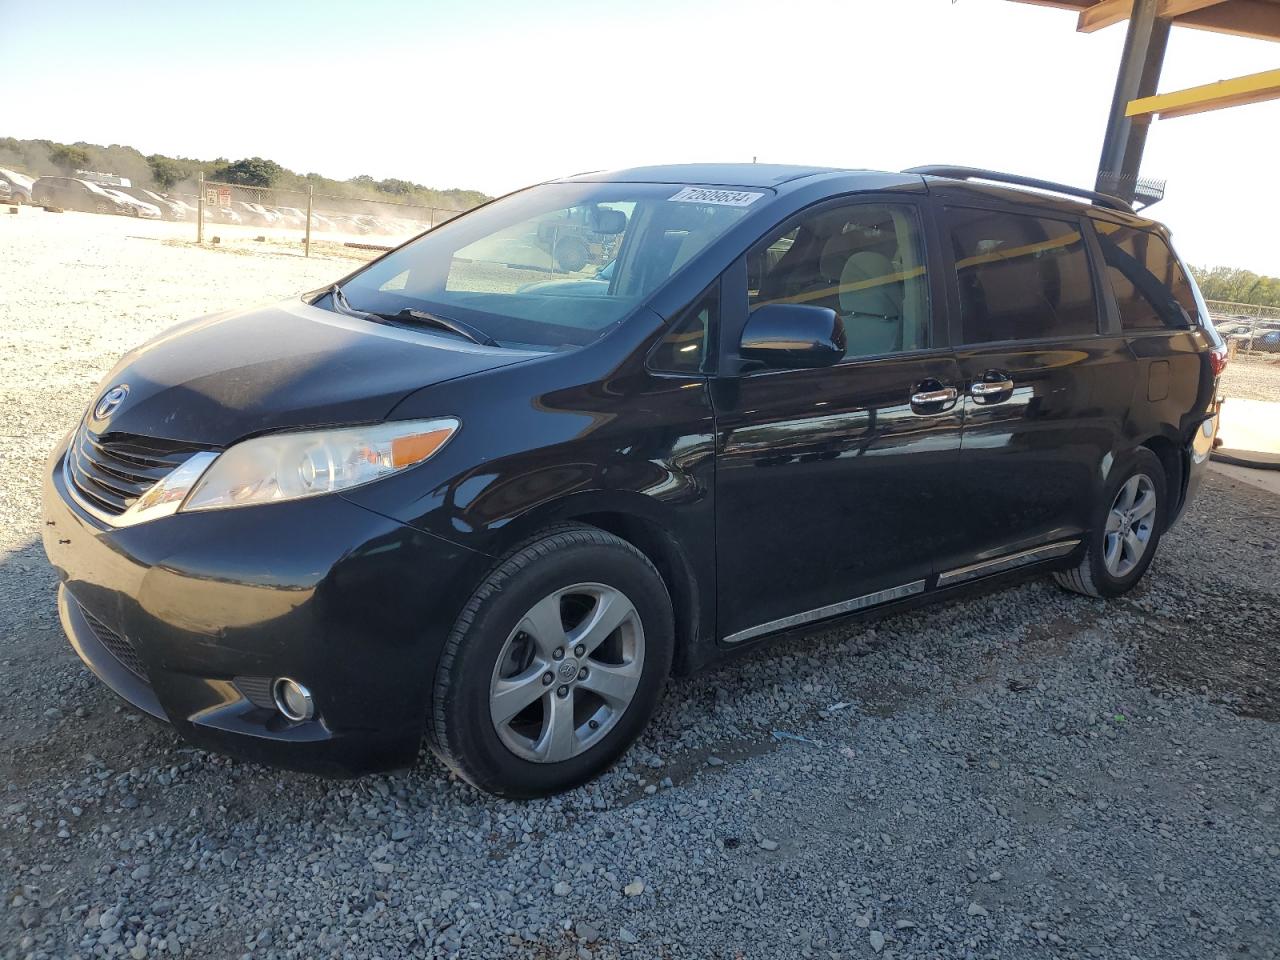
(189, 617)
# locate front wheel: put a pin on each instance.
(554, 666)
(1125, 534)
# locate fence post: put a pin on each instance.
(311, 190)
(200, 210)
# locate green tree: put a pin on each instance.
(1237, 286)
(399, 188)
(252, 172)
(68, 159)
(165, 172)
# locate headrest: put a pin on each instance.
(866, 265)
(883, 299)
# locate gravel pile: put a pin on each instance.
(1022, 774)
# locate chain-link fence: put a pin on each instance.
(302, 220)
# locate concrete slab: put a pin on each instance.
(1250, 431)
(1267, 480)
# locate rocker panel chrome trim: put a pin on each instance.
(831, 610)
(1008, 562)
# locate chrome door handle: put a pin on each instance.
(925, 397)
(986, 389)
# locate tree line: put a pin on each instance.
(168, 174)
(1237, 286)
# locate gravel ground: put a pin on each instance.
(1253, 376)
(1021, 774)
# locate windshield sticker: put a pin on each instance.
(725, 198)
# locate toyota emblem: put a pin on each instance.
(110, 400)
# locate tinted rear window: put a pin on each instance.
(1150, 287)
(1021, 277)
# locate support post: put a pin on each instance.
(200, 209)
(311, 189)
(1139, 127)
(1137, 64)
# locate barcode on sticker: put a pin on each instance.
(728, 198)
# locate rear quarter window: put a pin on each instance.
(1152, 292)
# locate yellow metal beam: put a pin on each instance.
(1211, 96)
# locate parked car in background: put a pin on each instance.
(434, 500)
(18, 184)
(1268, 342)
(214, 214)
(255, 213)
(70, 193)
(290, 217)
(169, 209)
(137, 208)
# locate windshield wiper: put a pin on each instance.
(464, 330)
(445, 323)
(344, 306)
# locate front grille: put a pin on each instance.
(112, 471)
(119, 646)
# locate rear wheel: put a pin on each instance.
(555, 665)
(101, 207)
(1125, 534)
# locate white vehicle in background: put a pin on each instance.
(135, 206)
(18, 184)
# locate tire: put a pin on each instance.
(505, 640)
(1102, 572)
(571, 255)
(101, 207)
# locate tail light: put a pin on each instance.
(1218, 360)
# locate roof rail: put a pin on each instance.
(976, 173)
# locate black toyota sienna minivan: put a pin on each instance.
(495, 486)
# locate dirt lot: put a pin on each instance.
(1023, 774)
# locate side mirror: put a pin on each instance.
(608, 221)
(792, 335)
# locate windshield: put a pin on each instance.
(554, 266)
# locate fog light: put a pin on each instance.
(293, 699)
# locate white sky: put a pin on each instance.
(497, 94)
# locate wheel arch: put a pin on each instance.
(649, 527)
(1173, 458)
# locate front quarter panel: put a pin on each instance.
(574, 435)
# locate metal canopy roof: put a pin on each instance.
(1242, 18)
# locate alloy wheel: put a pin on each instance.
(567, 672)
(1130, 523)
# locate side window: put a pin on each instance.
(1021, 277)
(1151, 290)
(687, 344)
(865, 261)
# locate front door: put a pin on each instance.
(832, 485)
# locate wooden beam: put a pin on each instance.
(1241, 18)
(1060, 4)
(1254, 88)
(1104, 14)
(1172, 9)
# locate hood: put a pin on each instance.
(219, 379)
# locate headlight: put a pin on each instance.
(286, 466)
